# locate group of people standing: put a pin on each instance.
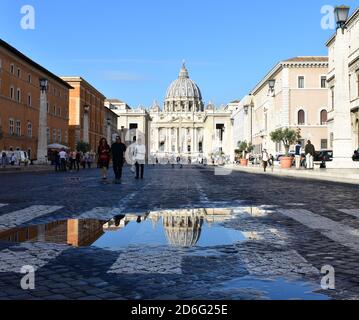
(73, 160)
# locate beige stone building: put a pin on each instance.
(343, 83)
(298, 100)
(185, 127)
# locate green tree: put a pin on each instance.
(245, 147)
(83, 147)
(286, 136)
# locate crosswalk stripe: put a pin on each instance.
(335, 231)
(351, 212)
(17, 218)
(101, 213)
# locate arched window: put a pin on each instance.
(323, 117)
(301, 117)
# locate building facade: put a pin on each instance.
(184, 128)
(20, 103)
(111, 119)
(87, 113)
(298, 100)
(343, 83)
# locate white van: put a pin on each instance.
(21, 156)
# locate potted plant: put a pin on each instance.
(244, 148)
(288, 137)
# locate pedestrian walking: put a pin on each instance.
(271, 162)
(118, 150)
(298, 155)
(310, 154)
(89, 159)
(4, 159)
(104, 155)
(63, 158)
(265, 159)
(139, 157)
(57, 161)
(13, 159)
(78, 161)
(72, 160)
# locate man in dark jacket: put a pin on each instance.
(118, 150)
(310, 154)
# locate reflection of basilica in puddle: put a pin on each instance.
(180, 228)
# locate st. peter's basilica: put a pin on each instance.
(185, 127)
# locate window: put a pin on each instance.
(59, 136)
(18, 128)
(11, 126)
(29, 129)
(12, 90)
(54, 110)
(301, 117)
(331, 139)
(324, 143)
(29, 100)
(29, 78)
(12, 69)
(323, 117)
(54, 135)
(18, 95)
(220, 131)
(66, 137)
(323, 82)
(301, 82)
(48, 134)
(18, 73)
(59, 111)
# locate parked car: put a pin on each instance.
(324, 155)
(356, 155)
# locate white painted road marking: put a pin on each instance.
(335, 231)
(351, 212)
(17, 218)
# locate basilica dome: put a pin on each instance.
(183, 95)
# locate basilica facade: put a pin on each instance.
(185, 127)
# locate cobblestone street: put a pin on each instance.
(178, 234)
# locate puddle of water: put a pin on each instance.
(277, 289)
(179, 228)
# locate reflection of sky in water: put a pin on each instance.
(277, 289)
(145, 233)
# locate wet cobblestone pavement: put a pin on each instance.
(200, 236)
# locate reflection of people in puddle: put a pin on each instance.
(118, 220)
(139, 219)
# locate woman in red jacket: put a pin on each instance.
(104, 152)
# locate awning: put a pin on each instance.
(56, 146)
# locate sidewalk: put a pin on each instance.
(335, 175)
(29, 168)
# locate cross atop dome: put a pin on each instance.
(184, 71)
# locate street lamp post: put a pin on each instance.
(342, 127)
(42, 138)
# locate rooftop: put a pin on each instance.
(308, 59)
(16, 52)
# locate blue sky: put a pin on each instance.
(133, 50)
